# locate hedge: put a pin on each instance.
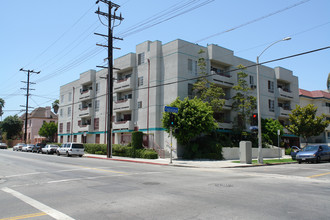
(122, 151)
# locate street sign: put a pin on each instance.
(171, 109)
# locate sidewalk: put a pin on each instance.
(177, 162)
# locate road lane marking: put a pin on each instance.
(318, 175)
(25, 216)
(38, 205)
(110, 171)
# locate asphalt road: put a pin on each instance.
(39, 186)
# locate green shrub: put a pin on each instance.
(149, 154)
(137, 139)
(288, 151)
(93, 148)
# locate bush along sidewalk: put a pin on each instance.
(121, 151)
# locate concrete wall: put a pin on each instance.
(233, 153)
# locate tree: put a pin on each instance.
(269, 130)
(48, 130)
(244, 103)
(12, 125)
(2, 104)
(193, 119)
(55, 105)
(305, 123)
(208, 91)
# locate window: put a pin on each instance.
(96, 124)
(68, 127)
(271, 105)
(192, 66)
(69, 111)
(270, 86)
(97, 87)
(97, 138)
(140, 81)
(61, 112)
(140, 104)
(190, 91)
(79, 123)
(140, 58)
(61, 127)
(74, 138)
(251, 80)
(97, 105)
(70, 97)
(62, 98)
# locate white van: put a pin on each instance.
(70, 149)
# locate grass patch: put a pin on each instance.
(272, 161)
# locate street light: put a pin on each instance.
(260, 158)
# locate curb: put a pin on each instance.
(132, 161)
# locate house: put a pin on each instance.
(320, 99)
(35, 121)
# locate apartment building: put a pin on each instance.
(35, 121)
(153, 77)
(320, 99)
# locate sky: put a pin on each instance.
(57, 38)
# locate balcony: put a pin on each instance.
(223, 79)
(226, 125)
(228, 104)
(285, 94)
(284, 112)
(85, 128)
(86, 94)
(123, 85)
(85, 112)
(123, 125)
(123, 105)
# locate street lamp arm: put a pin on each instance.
(287, 38)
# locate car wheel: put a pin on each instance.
(58, 153)
(80, 155)
(299, 161)
(47, 152)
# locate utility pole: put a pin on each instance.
(111, 18)
(27, 98)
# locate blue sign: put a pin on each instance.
(171, 109)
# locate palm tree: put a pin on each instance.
(55, 105)
(328, 83)
(2, 104)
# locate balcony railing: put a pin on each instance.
(123, 125)
(123, 85)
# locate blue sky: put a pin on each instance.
(56, 38)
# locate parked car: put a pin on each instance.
(49, 149)
(70, 149)
(314, 153)
(18, 147)
(3, 146)
(28, 147)
(294, 151)
(35, 149)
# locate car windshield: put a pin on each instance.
(77, 146)
(311, 148)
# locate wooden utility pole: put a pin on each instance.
(27, 98)
(111, 18)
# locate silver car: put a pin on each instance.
(28, 147)
(70, 149)
(49, 149)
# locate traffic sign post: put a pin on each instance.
(171, 110)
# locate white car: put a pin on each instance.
(18, 147)
(70, 149)
(27, 147)
(49, 149)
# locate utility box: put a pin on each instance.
(245, 148)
